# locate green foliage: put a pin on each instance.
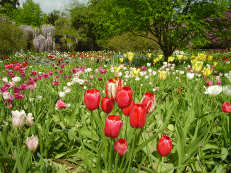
(53, 17)
(173, 24)
(29, 14)
(129, 42)
(66, 36)
(11, 38)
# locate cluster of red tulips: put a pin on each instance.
(123, 96)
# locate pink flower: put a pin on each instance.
(143, 68)
(56, 82)
(91, 77)
(121, 146)
(99, 79)
(208, 83)
(218, 82)
(60, 104)
(18, 95)
(33, 73)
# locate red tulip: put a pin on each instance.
(124, 97)
(107, 105)
(138, 116)
(92, 99)
(121, 146)
(164, 146)
(127, 110)
(113, 124)
(149, 100)
(112, 86)
(226, 107)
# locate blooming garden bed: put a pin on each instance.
(111, 112)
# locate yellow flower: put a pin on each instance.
(155, 61)
(163, 75)
(210, 58)
(117, 69)
(121, 60)
(160, 57)
(179, 57)
(171, 59)
(215, 63)
(202, 56)
(130, 56)
(149, 55)
(135, 72)
(207, 71)
(185, 57)
(193, 57)
(197, 66)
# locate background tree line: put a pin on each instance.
(125, 25)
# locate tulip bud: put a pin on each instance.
(138, 116)
(164, 146)
(121, 146)
(149, 101)
(124, 97)
(29, 119)
(92, 99)
(32, 143)
(107, 105)
(113, 124)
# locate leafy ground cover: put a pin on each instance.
(114, 112)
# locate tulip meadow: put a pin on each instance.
(108, 112)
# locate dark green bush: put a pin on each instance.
(129, 42)
(11, 38)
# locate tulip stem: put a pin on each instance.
(110, 155)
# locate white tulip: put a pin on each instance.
(32, 143)
(227, 90)
(18, 118)
(214, 90)
(190, 75)
(16, 79)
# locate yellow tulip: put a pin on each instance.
(207, 71)
(215, 63)
(210, 58)
(171, 59)
(179, 57)
(149, 55)
(121, 60)
(117, 69)
(163, 75)
(130, 56)
(135, 72)
(197, 66)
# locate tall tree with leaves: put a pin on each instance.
(172, 24)
(29, 14)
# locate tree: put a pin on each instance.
(29, 14)
(13, 3)
(53, 16)
(172, 24)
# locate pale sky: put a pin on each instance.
(50, 5)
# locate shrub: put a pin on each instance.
(11, 38)
(129, 42)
